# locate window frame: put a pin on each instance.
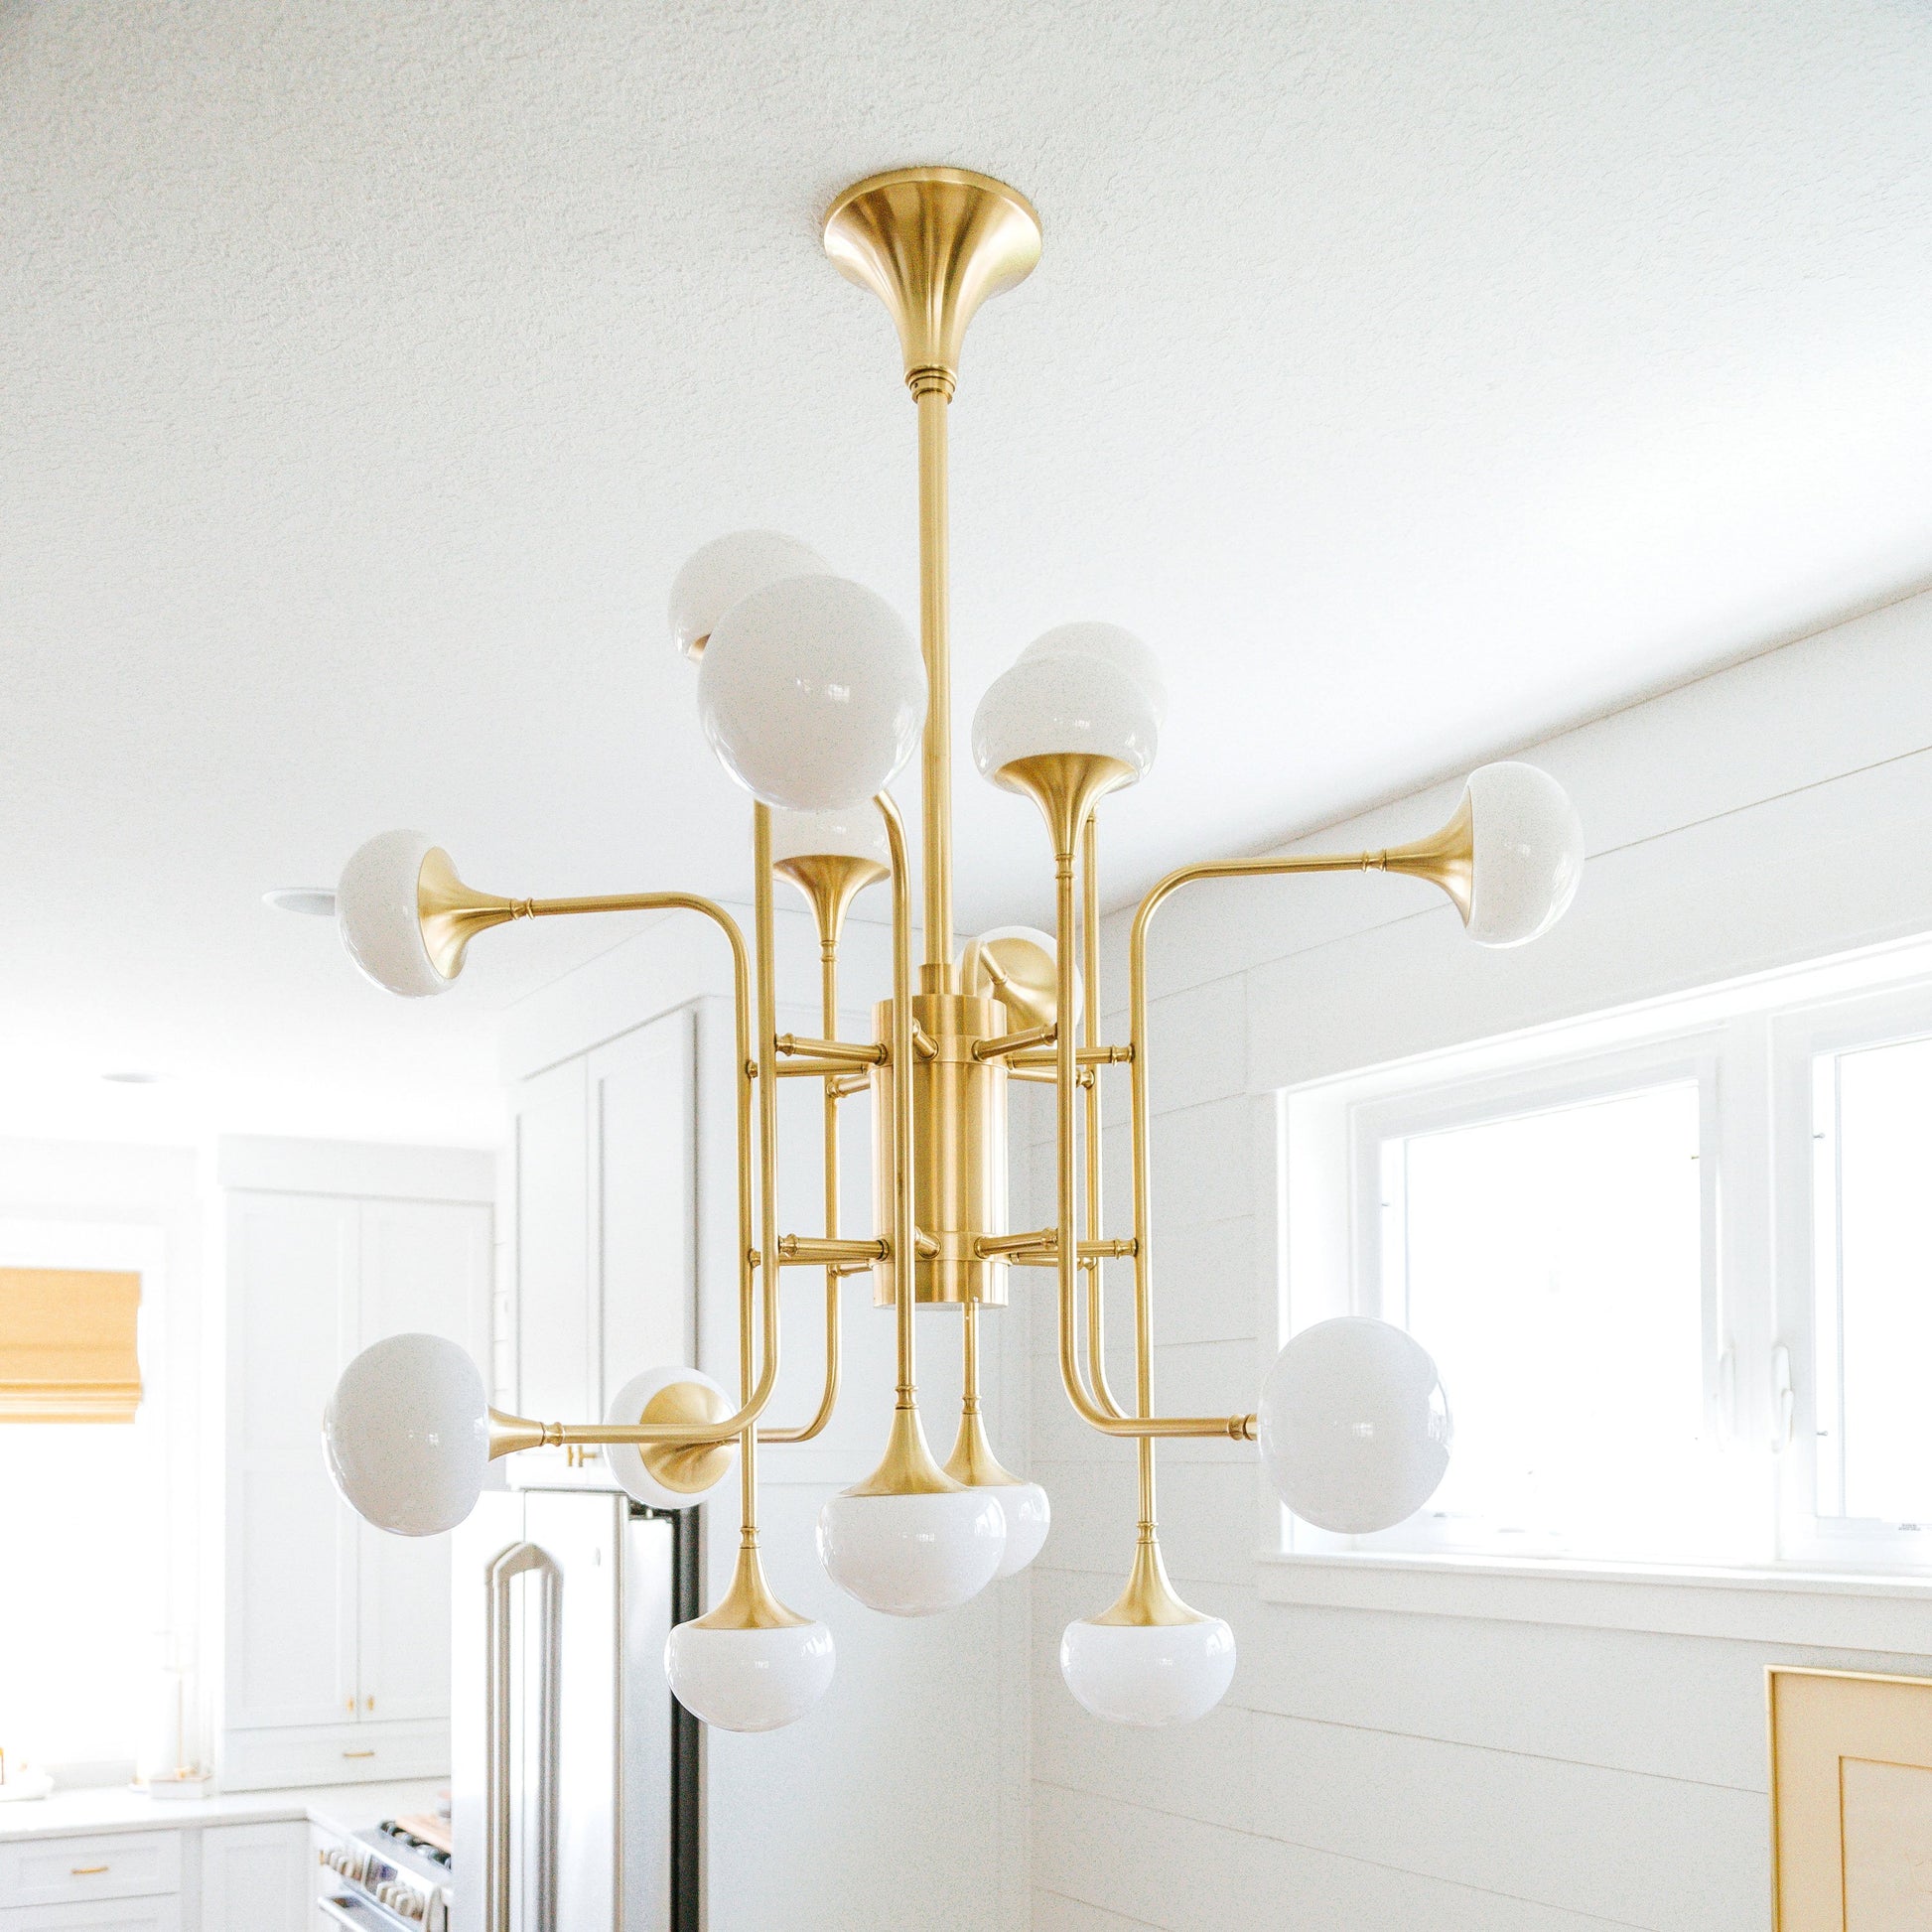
(1799, 1036)
(1750, 1043)
(1539, 1086)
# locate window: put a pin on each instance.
(1674, 1264)
(73, 1689)
(88, 1521)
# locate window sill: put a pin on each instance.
(1832, 1611)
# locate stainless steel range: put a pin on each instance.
(388, 1878)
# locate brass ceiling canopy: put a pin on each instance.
(1075, 719)
(934, 244)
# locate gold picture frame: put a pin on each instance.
(1851, 1801)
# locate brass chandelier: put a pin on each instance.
(814, 695)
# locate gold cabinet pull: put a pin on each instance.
(359, 1754)
(88, 1870)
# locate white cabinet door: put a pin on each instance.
(555, 1374)
(425, 1268)
(255, 1878)
(290, 1559)
(644, 1127)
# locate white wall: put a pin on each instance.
(1377, 1769)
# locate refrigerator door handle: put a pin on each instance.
(519, 1560)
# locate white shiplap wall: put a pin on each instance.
(1376, 1771)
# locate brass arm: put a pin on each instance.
(1003, 1045)
(1089, 1033)
(844, 1053)
(1145, 1425)
(473, 912)
(830, 916)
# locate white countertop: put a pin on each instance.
(343, 1808)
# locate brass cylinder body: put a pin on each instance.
(959, 1152)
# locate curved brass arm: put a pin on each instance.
(1145, 1425)
(454, 903)
(1089, 1038)
(1445, 859)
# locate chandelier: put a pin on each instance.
(815, 694)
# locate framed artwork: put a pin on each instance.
(1850, 1802)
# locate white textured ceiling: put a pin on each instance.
(1414, 377)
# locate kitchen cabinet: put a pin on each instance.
(114, 1915)
(603, 1197)
(255, 1878)
(335, 1644)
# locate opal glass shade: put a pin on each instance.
(1529, 854)
(1112, 645)
(1355, 1426)
(375, 913)
(623, 1459)
(727, 570)
(812, 693)
(1149, 1675)
(850, 832)
(407, 1435)
(750, 1680)
(1028, 1516)
(913, 1555)
(1057, 704)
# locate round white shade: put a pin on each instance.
(850, 832)
(623, 1459)
(913, 1555)
(1028, 1516)
(1355, 1426)
(1073, 703)
(750, 1680)
(407, 1435)
(812, 693)
(729, 569)
(1529, 854)
(375, 913)
(1112, 644)
(1149, 1675)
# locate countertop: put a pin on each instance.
(343, 1808)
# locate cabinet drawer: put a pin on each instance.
(266, 1760)
(104, 1864)
(104, 1915)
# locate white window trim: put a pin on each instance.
(1759, 1019)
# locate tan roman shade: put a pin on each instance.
(68, 1346)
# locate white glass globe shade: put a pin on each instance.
(1149, 1675)
(727, 570)
(1044, 705)
(1355, 1426)
(1529, 854)
(812, 693)
(1112, 644)
(1028, 1516)
(407, 1435)
(375, 913)
(851, 832)
(750, 1680)
(913, 1555)
(626, 1462)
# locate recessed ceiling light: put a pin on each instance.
(317, 902)
(134, 1079)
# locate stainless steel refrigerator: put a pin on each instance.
(574, 1773)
